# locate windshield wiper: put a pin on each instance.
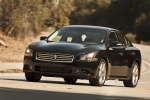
(51, 41)
(89, 42)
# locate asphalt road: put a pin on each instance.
(15, 87)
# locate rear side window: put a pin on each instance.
(128, 42)
(112, 36)
(121, 38)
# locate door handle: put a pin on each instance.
(132, 53)
(121, 53)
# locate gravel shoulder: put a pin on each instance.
(9, 67)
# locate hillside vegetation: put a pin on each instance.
(21, 21)
(22, 18)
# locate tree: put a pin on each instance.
(141, 28)
(7, 8)
(22, 18)
(84, 12)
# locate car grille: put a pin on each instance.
(53, 69)
(54, 57)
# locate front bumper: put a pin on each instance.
(76, 69)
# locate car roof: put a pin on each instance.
(93, 27)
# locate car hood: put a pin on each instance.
(63, 47)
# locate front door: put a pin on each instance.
(117, 57)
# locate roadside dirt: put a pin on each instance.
(12, 49)
(11, 67)
(11, 71)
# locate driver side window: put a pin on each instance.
(112, 37)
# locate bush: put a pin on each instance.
(131, 37)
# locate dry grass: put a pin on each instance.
(11, 71)
(131, 37)
(14, 51)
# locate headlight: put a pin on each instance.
(89, 57)
(28, 52)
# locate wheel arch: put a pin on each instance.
(139, 65)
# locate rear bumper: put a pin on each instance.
(76, 69)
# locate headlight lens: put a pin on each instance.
(89, 57)
(28, 52)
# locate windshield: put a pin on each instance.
(78, 35)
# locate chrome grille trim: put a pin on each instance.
(54, 57)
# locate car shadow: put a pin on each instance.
(47, 81)
(59, 82)
(33, 94)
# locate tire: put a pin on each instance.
(70, 80)
(32, 77)
(101, 75)
(134, 76)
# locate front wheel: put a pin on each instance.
(101, 75)
(134, 76)
(32, 77)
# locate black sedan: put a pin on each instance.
(84, 52)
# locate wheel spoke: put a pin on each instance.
(135, 74)
(102, 72)
(133, 79)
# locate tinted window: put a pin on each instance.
(128, 42)
(112, 36)
(121, 38)
(79, 35)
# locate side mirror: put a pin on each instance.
(114, 43)
(43, 37)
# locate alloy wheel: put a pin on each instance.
(135, 74)
(102, 72)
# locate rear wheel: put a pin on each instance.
(134, 76)
(32, 77)
(101, 75)
(70, 80)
